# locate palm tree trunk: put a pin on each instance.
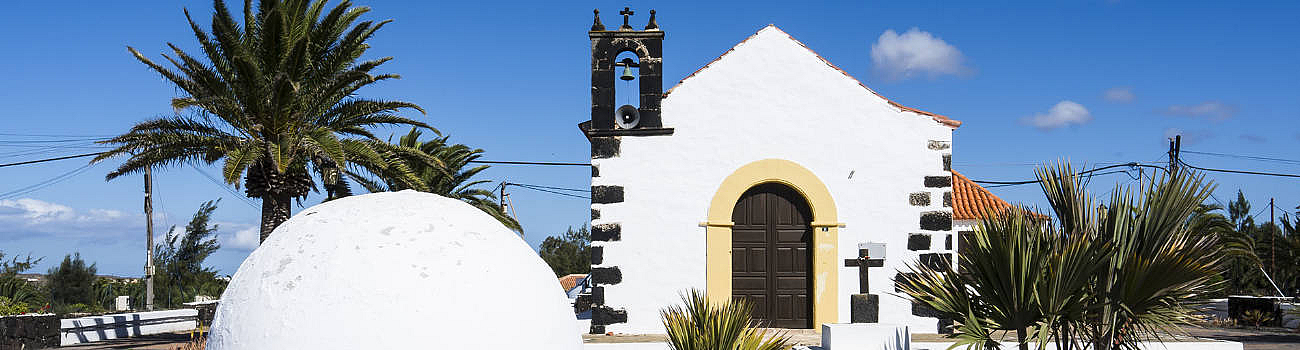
(276, 208)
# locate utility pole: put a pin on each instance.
(502, 196)
(1272, 239)
(1175, 145)
(148, 218)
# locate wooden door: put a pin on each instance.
(771, 264)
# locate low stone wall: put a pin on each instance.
(29, 331)
(1238, 305)
(207, 312)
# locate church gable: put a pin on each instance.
(772, 59)
(852, 168)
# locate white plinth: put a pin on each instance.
(865, 336)
(123, 303)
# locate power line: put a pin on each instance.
(554, 188)
(1247, 172)
(48, 141)
(527, 163)
(1010, 183)
(46, 183)
(223, 186)
(55, 135)
(531, 187)
(51, 159)
(1268, 159)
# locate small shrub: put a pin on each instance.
(9, 307)
(698, 324)
(1256, 318)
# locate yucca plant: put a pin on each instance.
(274, 97)
(1104, 276)
(698, 324)
(1256, 318)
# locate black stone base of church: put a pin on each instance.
(864, 308)
(602, 316)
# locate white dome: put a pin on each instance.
(394, 270)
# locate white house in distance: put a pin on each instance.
(757, 177)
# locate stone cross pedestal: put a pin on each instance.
(864, 307)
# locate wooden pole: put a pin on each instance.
(148, 217)
(1272, 239)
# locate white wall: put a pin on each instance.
(769, 98)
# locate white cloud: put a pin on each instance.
(1213, 110)
(1121, 94)
(245, 239)
(26, 217)
(1064, 113)
(915, 52)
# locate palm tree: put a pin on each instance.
(451, 175)
(275, 100)
(1110, 275)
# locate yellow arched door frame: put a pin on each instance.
(825, 231)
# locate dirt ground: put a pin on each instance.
(1263, 339)
(1253, 339)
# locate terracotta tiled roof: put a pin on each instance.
(970, 201)
(568, 281)
(949, 122)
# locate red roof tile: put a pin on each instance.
(970, 201)
(569, 281)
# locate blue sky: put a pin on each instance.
(1096, 82)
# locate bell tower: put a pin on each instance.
(609, 73)
(626, 88)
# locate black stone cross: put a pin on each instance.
(864, 307)
(862, 263)
(627, 11)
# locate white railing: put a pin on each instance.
(117, 326)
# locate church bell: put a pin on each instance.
(627, 74)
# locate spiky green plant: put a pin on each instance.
(442, 168)
(1105, 276)
(275, 98)
(698, 324)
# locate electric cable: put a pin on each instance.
(51, 159)
(1008, 183)
(1247, 172)
(1258, 158)
(546, 190)
(46, 183)
(56, 135)
(223, 186)
(527, 163)
(555, 188)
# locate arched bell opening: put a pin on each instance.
(627, 90)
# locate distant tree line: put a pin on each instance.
(1258, 246)
(568, 253)
(75, 287)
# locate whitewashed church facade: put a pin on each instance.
(757, 177)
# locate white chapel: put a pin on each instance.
(764, 175)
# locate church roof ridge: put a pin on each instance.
(941, 119)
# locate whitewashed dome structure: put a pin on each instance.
(394, 270)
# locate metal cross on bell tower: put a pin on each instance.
(627, 11)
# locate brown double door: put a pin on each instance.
(770, 255)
